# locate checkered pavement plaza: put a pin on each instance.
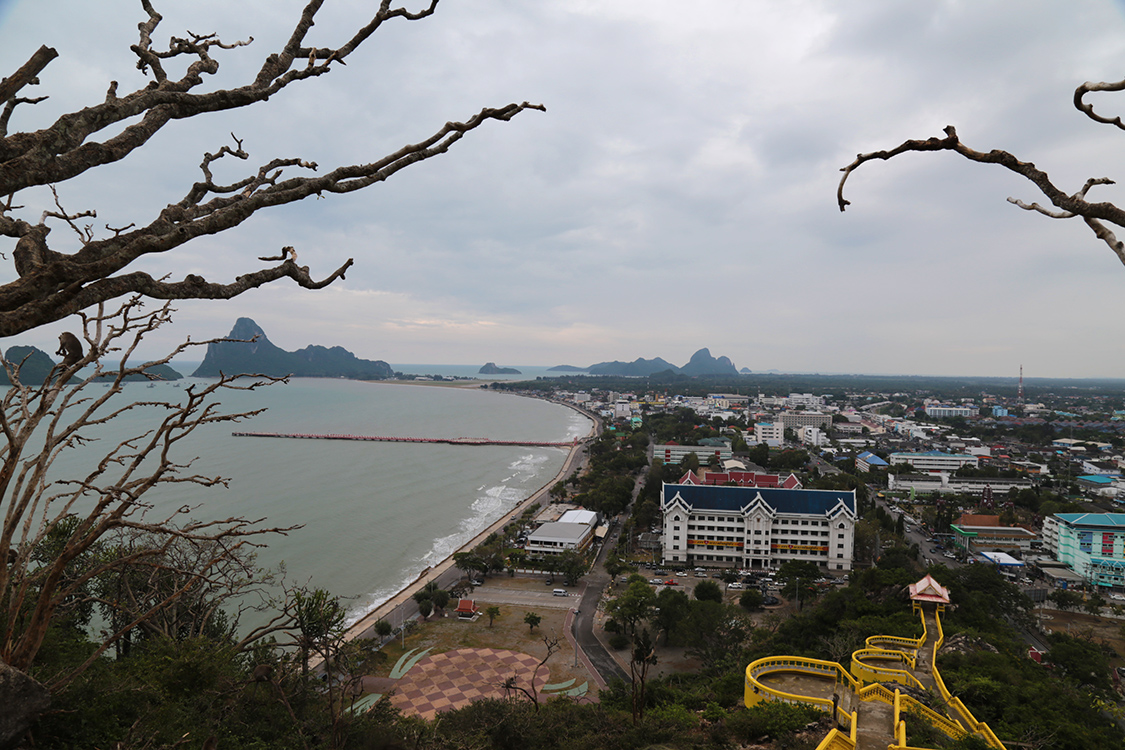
(442, 682)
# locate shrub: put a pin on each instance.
(618, 641)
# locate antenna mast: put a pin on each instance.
(1019, 394)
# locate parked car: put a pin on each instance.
(656, 582)
(770, 601)
(735, 585)
(670, 582)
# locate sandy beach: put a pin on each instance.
(364, 626)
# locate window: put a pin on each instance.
(675, 546)
(838, 546)
(675, 528)
(839, 556)
(839, 536)
(676, 538)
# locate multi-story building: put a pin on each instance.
(983, 533)
(813, 436)
(935, 411)
(804, 399)
(770, 433)
(936, 460)
(757, 527)
(575, 530)
(673, 454)
(795, 419)
(1090, 544)
(944, 483)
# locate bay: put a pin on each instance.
(374, 515)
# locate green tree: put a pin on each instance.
(572, 565)
(708, 591)
(493, 612)
(383, 628)
(633, 605)
(672, 607)
(751, 600)
(642, 657)
(532, 621)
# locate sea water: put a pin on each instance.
(372, 515)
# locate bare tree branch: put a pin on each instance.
(52, 284)
(1070, 205)
(51, 525)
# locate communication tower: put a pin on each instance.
(1019, 393)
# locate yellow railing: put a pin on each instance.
(756, 691)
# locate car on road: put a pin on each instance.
(475, 582)
(670, 582)
(656, 582)
(735, 585)
(1117, 597)
(933, 550)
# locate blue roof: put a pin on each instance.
(1098, 478)
(734, 499)
(1092, 519)
(871, 459)
(935, 453)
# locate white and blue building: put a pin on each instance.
(756, 527)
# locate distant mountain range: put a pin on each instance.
(262, 356)
(35, 363)
(701, 363)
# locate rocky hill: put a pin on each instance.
(701, 363)
(259, 355)
(35, 363)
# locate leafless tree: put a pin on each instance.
(60, 535)
(52, 284)
(1099, 216)
(511, 684)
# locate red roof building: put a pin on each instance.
(466, 608)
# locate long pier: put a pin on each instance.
(383, 439)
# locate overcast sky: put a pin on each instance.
(678, 193)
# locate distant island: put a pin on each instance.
(566, 368)
(701, 363)
(492, 369)
(35, 363)
(262, 356)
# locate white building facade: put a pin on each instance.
(936, 460)
(757, 527)
(770, 433)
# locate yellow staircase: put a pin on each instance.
(869, 714)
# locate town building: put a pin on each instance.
(742, 479)
(770, 433)
(867, 461)
(797, 419)
(936, 460)
(983, 533)
(757, 527)
(938, 411)
(575, 530)
(944, 483)
(1090, 544)
(673, 454)
(813, 436)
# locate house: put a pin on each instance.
(466, 609)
